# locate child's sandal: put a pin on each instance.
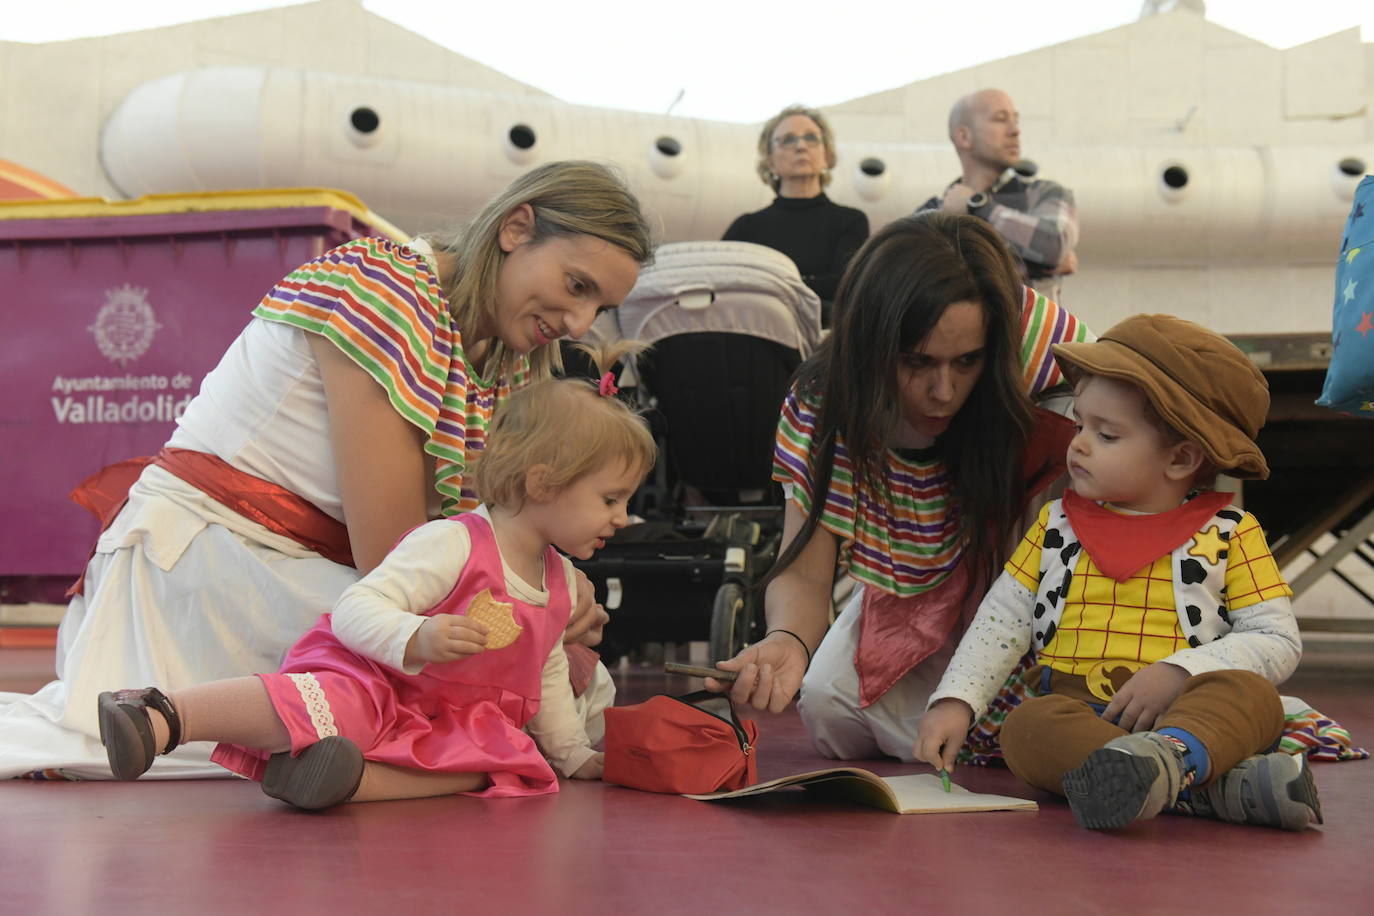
(127, 731)
(325, 774)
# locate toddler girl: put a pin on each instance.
(423, 677)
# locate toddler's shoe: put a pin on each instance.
(1271, 790)
(1130, 778)
(127, 731)
(325, 774)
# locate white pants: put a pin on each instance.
(829, 701)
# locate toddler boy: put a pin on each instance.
(1159, 619)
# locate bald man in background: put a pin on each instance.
(1037, 217)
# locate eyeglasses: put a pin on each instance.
(792, 141)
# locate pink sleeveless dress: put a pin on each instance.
(458, 717)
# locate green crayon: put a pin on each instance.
(944, 779)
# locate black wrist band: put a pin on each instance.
(797, 638)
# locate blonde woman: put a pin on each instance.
(343, 416)
(796, 156)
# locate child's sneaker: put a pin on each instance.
(325, 774)
(1130, 778)
(1272, 790)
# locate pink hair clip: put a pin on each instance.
(607, 386)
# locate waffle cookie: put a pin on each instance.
(496, 616)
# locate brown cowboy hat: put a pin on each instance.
(1197, 380)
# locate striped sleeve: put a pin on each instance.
(903, 540)
(379, 303)
(792, 465)
(1043, 324)
(461, 434)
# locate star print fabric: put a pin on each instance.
(1349, 384)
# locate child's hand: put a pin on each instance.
(1146, 696)
(592, 769)
(445, 638)
(942, 732)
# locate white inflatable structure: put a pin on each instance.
(1212, 172)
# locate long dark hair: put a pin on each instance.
(892, 295)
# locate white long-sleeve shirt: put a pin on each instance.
(378, 615)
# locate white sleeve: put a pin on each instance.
(378, 614)
(557, 727)
(999, 635)
(1263, 639)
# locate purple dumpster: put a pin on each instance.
(112, 313)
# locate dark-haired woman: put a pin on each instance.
(914, 420)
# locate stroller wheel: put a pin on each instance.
(730, 621)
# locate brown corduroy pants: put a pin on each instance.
(1234, 714)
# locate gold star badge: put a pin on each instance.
(1208, 544)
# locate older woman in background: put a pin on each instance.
(796, 154)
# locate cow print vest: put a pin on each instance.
(1199, 584)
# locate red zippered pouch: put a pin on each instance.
(687, 745)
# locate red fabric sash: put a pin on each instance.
(896, 634)
(274, 507)
(1122, 545)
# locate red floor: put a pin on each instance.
(220, 846)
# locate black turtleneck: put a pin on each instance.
(818, 234)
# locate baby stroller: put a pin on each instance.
(729, 322)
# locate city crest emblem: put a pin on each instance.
(125, 325)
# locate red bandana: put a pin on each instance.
(897, 634)
(1122, 545)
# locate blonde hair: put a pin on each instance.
(568, 198)
(566, 425)
(766, 143)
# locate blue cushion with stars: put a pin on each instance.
(1349, 384)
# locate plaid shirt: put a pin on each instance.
(1036, 217)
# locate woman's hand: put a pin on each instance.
(797, 605)
(445, 638)
(588, 618)
(592, 769)
(942, 732)
(1149, 693)
(770, 672)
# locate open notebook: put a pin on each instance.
(913, 793)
